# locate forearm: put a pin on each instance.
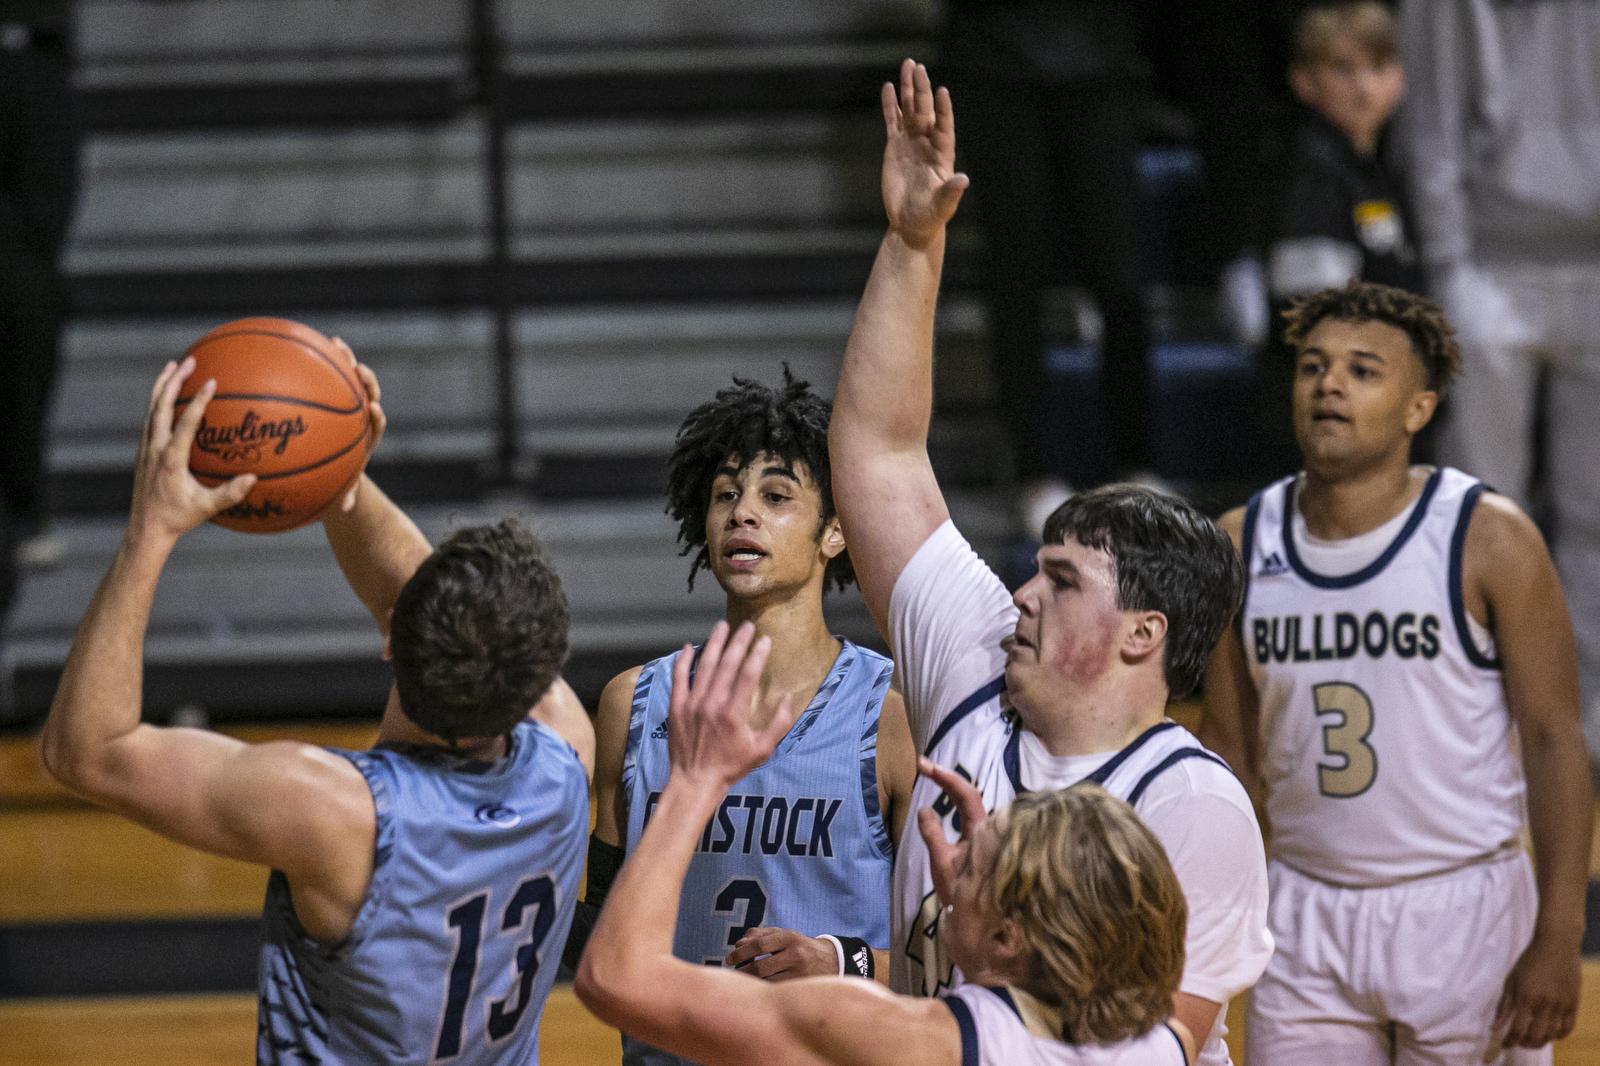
(378, 548)
(1560, 815)
(100, 694)
(632, 941)
(885, 394)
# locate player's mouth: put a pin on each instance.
(1014, 643)
(742, 556)
(1329, 416)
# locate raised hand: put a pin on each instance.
(943, 856)
(783, 955)
(168, 500)
(708, 724)
(375, 415)
(921, 187)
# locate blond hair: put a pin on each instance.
(1091, 893)
(1370, 22)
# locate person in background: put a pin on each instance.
(1502, 127)
(1340, 213)
(1048, 102)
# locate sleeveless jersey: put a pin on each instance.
(980, 740)
(798, 843)
(474, 880)
(1388, 751)
(1008, 1027)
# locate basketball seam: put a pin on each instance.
(337, 369)
(365, 433)
(272, 397)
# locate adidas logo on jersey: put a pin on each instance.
(659, 732)
(1273, 566)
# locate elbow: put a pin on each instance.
(597, 988)
(61, 762)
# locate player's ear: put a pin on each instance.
(1420, 410)
(832, 539)
(1144, 636)
(1010, 951)
(388, 650)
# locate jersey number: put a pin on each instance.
(1347, 722)
(746, 890)
(534, 902)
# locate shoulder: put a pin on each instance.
(1499, 530)
(1199, 797)
(562, 711)
(616, 710)
(1232, 523)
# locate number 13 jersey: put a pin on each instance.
(1388, 751)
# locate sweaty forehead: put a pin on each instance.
(1073, 554)
(762, 464)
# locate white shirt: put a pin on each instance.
(947, 615)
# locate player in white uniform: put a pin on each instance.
(1402, 628)
(1063, 909)
(1070, 679)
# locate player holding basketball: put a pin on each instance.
(418, 889)
(1068, 680)
(791, 878)
(1403, 629)
(1063, 912)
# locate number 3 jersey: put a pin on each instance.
(799, 843)
(1388, 751)
(474, 880)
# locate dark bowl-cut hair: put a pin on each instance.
(1432, 337)
(1168, 557)
(479, 633)
(742, 422)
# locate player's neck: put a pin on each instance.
(1104, 719)
(1348, 505)
(803, 650)
(396, 728)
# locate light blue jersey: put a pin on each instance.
(799, 843)
(474, 880)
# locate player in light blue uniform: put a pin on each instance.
(792, 879)
(1063, 912)
(419, 889)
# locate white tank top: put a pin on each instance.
(1388, 751)
(1008, 1027)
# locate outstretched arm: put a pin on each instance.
(628, 976)
(883, 485)
(377, 545)
(287, 805)
(1507, 565)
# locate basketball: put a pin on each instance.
(289, 409)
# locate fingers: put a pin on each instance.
(908, 92)
(680, 674)
(225, 496)
(923, 89)
(944, 113)
(189, 422)
(941, 853)
(968, 800)
(163, 399)
(889, 98)
(728, 681)
(763, 940)
(782, 719)
(742, 699)
(710, 659)
(345, 348)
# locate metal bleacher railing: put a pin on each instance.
(551, 228)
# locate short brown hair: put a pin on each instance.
(1370, 22)
(478, 633)
(1433, 339)
(1091, 892)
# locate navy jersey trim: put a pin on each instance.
(1005, 996)
(1109, 767)
(869, 765)
(1181, 1049)
(969, 1030)
(1458, 599)
(1012, 758)
(1247, 547)
(964, 708)
(1419, 511)
(1172, 759)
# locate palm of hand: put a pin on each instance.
(921, 187)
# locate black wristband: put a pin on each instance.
(605, 860)
(858, 961)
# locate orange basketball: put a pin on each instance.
(289, 409)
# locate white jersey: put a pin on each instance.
(1008, 1027)
(1388, 751)
(948, 613)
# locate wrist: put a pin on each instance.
(854, 955)
(929, 244)
(145, 541)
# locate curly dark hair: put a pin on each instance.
(741, 423)
(1433, 339)
(479, 633)
(1169, 558)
